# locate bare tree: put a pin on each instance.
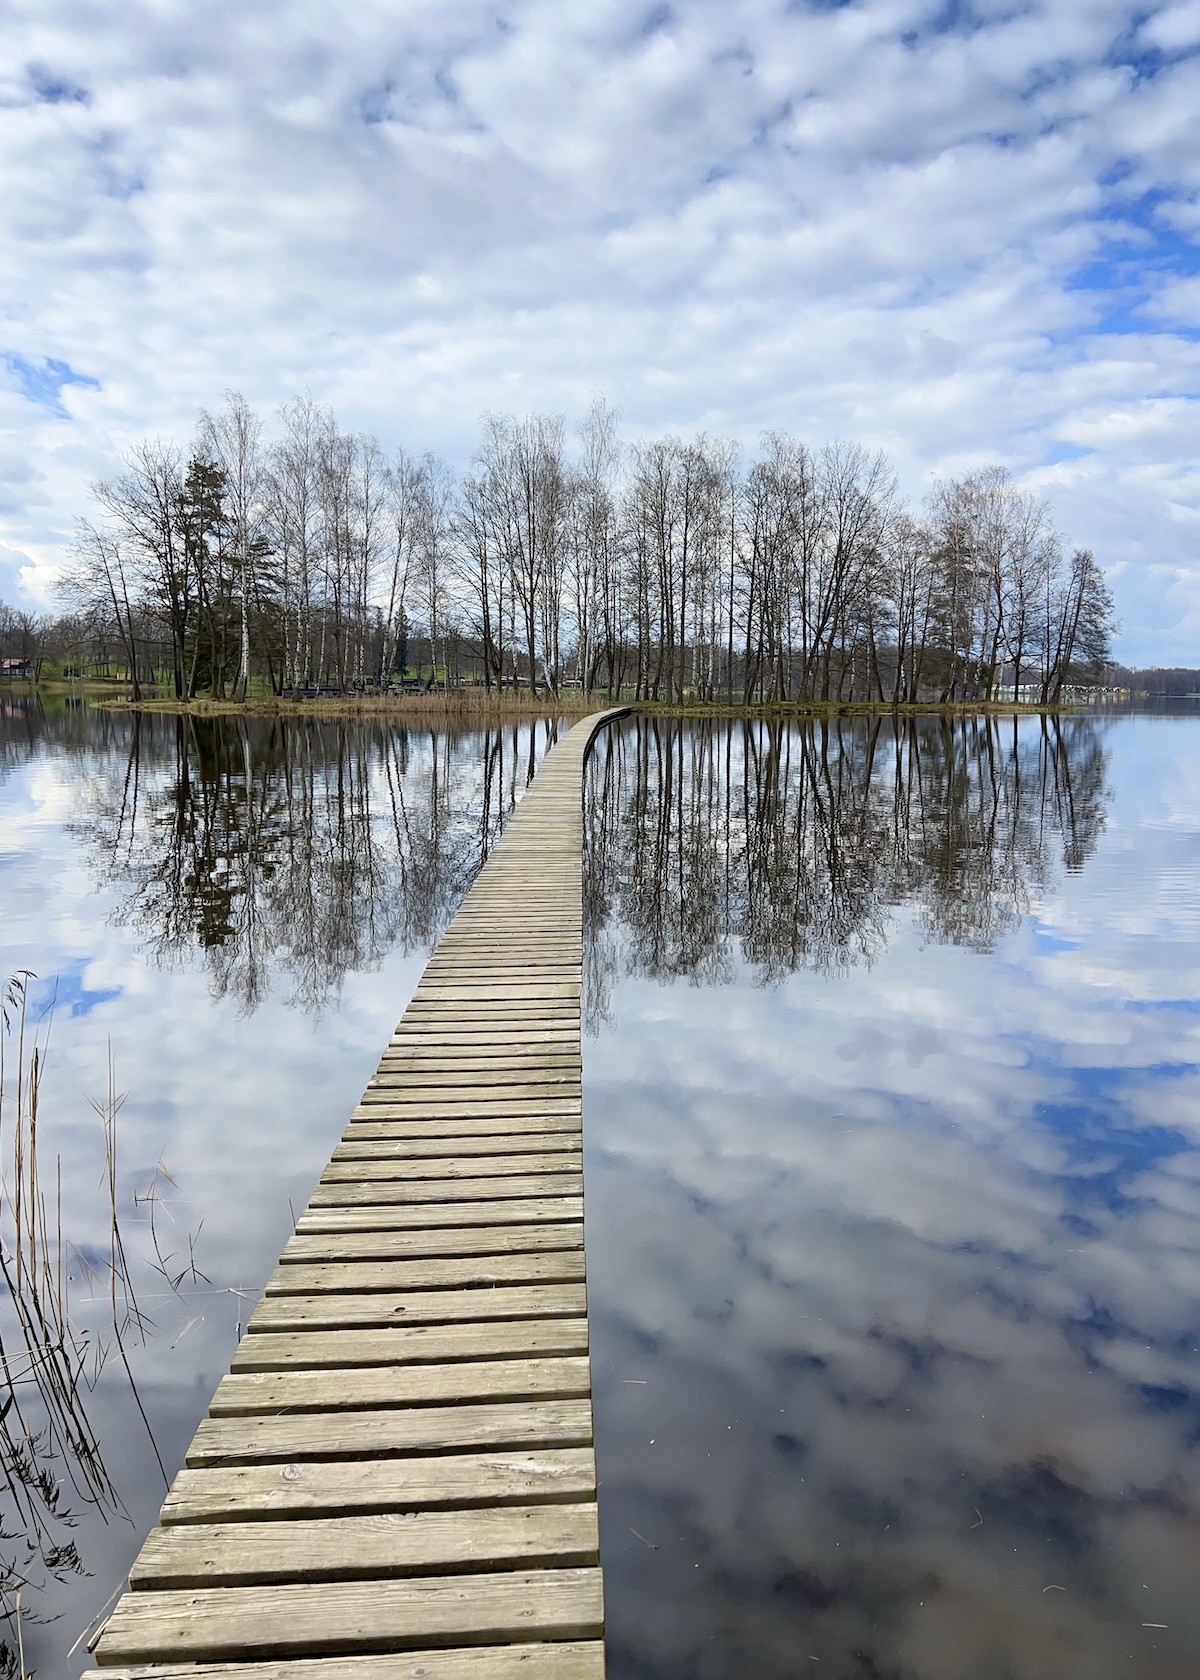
(665, 566)
(233, 440)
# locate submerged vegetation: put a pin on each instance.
(307, 564)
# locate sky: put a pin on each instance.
(962, 234)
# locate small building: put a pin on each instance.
(15, 667)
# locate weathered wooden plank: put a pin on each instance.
(483, 1044)
(353, 1616)
(419, 1344)
(493, 1003)
(557, 1098)
(532, 1031)
(342, 1487)
(519, 1144)
(463, 1123)
(340, 1308)
(427, 1012)
(372, 1386)
(517, 956)
(380, 1545)
(495, 939)
(470, 1085)
(560, 947)
(484, 1038)
(455, 1076)
(450, 1104)
(503, 987)
(505, 1127)
(533, 1027)
(247, 1438)
(400, 1104)
(557, 941)
(469, 1057)
(480, 1052)
(444, 1190)
(499, 900)
(449, 1077)
(520, 1227)
(498, 997)
(363, 1277)
(551, 1055)
(361, 1168)
(496, 896)
(563, 1660)
(465, 969)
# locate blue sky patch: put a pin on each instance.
(1045, 942)
(67, 992)
(44, 385)
(1055, 457)
(1108, 1151)
(56, 90)
(1150, 1006)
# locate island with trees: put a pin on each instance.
(298, 563)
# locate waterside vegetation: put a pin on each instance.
(302, 564)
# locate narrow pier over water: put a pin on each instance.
(395, 1481)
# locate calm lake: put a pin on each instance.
(892, 1114)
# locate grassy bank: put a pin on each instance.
(480, 704)
(784, 709)
(450, 707)
(468, 707)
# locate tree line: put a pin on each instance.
(305, 558)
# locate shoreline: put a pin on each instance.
(456, 708)
(479, 706)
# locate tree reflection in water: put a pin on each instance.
(296, 853)
(790, 843)
(892, 1268)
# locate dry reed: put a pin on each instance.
(50, 1456)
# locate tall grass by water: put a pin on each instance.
(51, 1462)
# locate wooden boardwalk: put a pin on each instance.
(400, 1460)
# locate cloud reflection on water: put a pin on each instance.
(894, 1214)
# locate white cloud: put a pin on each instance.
(847, 220)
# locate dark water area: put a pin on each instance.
(891, 1125)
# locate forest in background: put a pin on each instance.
(302, 560)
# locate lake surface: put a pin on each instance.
(891, 1120)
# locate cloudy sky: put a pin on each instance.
(962, 233)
